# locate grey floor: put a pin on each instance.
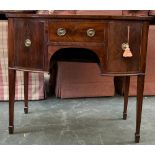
(78, 121)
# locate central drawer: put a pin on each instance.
(77, 31)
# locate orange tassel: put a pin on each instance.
(127, 52)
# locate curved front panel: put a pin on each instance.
(124, 47)
(29, 44)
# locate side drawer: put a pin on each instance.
(29, 43)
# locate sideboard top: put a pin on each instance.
(99, 17)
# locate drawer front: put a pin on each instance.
(77, 31)
(119, 33)
(29, 44)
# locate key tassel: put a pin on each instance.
(127, 52)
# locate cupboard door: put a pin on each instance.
(119, 33)
(29, 44)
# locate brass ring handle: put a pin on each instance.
(91, 32)
(61, 32)
(27, 42)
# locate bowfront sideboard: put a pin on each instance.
(118, 42)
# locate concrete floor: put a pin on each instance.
(78, 121)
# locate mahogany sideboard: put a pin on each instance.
(119, 43)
